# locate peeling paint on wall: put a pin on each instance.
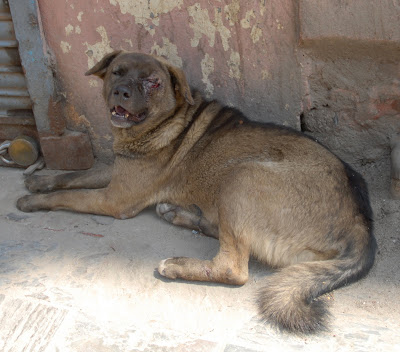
(256, 33)
(146, 12)
(234, 65)
(263, 6)
(93, 83)
(207, 67)
(202, 25)
(95, 52)
(169, 51)
(245, 22)
(232, 12)
(69, 29)
(264, 74)
(65, 47)
(79, 17)
(279, 24)
(129, 41)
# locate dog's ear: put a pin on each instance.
(101, 67)
(178, 80)
(181, 84)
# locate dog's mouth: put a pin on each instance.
(120, 117)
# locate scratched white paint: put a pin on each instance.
(207, 67)
(202, 25)
(78, 30)
(169, 51)
(146, 12)
(95, 52)
(79, 17)
(65, 47)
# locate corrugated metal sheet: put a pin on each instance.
(15, 103)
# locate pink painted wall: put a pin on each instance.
(242, 53)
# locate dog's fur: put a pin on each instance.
(262, 190)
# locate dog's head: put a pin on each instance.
(140, 89)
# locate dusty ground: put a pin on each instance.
(74, 282)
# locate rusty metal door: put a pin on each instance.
(16, 116)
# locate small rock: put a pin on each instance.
(17, 217)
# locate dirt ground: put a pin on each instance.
(77, 282)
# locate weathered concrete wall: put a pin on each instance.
(242, 53)
(351, 73)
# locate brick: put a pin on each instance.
(71, 151)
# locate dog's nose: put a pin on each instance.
(123, 91)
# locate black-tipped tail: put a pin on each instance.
(291, 298)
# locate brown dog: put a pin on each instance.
(263, 190)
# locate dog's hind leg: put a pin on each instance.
(229, 266)
(191, 218)
(93, 178)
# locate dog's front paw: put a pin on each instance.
(27, 203)
(165, 270)
(172, 267)
(38, 184)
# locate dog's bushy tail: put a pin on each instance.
(290, 301)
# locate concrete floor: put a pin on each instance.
(76, 282)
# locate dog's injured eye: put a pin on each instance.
(151, 83)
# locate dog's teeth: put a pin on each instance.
(113, 113)
(126, 115)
